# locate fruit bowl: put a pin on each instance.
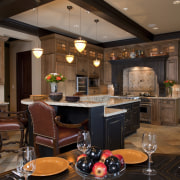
(108, 176)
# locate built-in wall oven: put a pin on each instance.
(145, 110)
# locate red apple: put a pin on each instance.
(105, 154)
(99, 169)
(107, 151)
(121, 159)
(80, 156)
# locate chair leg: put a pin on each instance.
(36, 146)
(26, 136)
(0, 144)
(22, 139)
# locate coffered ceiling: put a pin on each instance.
(119, 20)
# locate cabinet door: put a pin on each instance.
(107, 73)
(47, 66)
(155, 112)
(82, 66)
(93, 71)
(60, 68)
(70, 88)
(1, 62)
(114, 132)
(70, 72)
(135, 116)
(167, 112)
(172, 68)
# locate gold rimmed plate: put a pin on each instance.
(131, 156)
(48, 166)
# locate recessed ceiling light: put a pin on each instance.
(155, 28)
(151, 25)
(125, 9)
(105, 37)
(87, 11)
(76, 25)
(176, 2)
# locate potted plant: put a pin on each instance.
(53, 79)
(169, 84)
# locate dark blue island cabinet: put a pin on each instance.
(132, 117)
(106, 132)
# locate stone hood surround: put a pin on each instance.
(157, 63)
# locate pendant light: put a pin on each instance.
(80, 44)
(96, 62)
(37, 51)
(69, 57)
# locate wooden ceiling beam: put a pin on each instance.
(113, 16)
(9, 8)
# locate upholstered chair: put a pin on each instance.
(13, 121)
(48, 131)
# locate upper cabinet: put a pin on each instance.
(2, 78)
(56, 47)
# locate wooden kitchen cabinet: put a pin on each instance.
(47, 66)
(93, 71)
(1, 62)
(114, 132)
(172, 69)
(82, 66)
(165, 111)
(56, 47)
(107, 73)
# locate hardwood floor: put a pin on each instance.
(168, 140)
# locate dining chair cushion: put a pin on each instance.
(11, 124)
(65, 137)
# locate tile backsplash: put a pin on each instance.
(139, 79)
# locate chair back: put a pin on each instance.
(43, 116)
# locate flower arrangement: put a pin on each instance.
(169, 83)
(54, 77)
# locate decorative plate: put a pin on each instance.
(48, 166)
(131, 156)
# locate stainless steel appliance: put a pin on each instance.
(82, 84)
(145, 110)
(93, 81)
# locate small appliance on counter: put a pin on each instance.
(82, 84)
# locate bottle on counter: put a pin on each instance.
(111, 89)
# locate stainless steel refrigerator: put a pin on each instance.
(82, 84)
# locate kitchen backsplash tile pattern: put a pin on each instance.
(139, 79)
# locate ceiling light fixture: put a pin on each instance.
(125, 9)
(80, 44)
(69, 57)
(37, 51)
(96, 62)
(176, 2)
(155, 28)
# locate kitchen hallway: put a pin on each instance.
(168, 141)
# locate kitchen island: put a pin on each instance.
(106, 117)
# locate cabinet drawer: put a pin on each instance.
(167, 101)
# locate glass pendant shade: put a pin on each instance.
(69, 58)
(37, 52)
(96, 62)
(80, 44)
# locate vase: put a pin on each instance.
(53, 87)
(170, 91)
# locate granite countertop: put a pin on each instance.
(65, 103)
(4, 103)
(173, 97)
(112, 112)
(107, 103)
